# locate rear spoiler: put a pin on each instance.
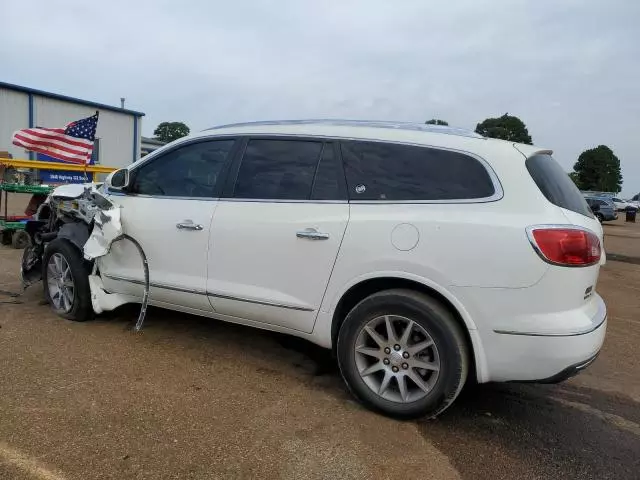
(531, 150)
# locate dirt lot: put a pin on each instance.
(196, 398)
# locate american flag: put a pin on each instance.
(73, 143)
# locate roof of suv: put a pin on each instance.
(399, 132)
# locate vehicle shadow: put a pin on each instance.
(539, 431)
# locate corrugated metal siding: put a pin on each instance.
(14, 115)
(115, 130)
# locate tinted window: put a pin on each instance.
(555, 184)
(382, 171)
(189, 171)
(277, 169)
(329, 180)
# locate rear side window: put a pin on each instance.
(278, 170)
(385, 171)
(555, 184)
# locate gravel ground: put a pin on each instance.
(195, 398)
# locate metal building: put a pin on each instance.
(118, 138)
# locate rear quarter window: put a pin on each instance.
(396, 172)
(555, 184)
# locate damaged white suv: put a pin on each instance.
(423, 256)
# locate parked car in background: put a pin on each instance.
(423, 256)
(622, 205)
(603, 208)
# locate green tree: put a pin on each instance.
(170, 131)
(436, 121)
(574, 176)
(506, 127)
(598, 169)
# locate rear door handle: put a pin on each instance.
(189, 225)
(312, 234)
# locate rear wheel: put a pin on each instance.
(403, 354)
(66, 281)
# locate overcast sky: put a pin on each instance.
(569, 69)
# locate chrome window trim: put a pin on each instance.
(497, 185)
(171, 197)
(278, 200)
(498, 193)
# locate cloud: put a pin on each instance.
(568, 69)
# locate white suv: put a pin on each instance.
(423, 256)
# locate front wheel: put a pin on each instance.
(66, 281)
(600, 217)
(403, 354)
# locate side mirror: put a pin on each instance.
(118, 180)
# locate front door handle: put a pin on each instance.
(312, 234)
(189, 225)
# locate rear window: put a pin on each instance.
(555, 184)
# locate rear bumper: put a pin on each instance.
(542, 358)
(565, 374)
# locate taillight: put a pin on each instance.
(565, 245)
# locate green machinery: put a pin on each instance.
(12, 227)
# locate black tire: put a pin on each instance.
(81, 309)
(20, 240)
(5, 237)
(600, 217)
(440, 324)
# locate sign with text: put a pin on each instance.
(60, 176)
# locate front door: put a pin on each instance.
(275, 238)
(168, 209)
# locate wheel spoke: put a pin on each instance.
(65, 300)
(68, 298)
(402, 386)
(51, 271)
(415, 363)
(417, 379)
(57, 299)
(404, 340)
(372, 352)
(372, 369)
(418, 347)
(374, 335)
(385, 382)
(391, 334)
(58, 261)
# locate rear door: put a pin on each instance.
(276, 235)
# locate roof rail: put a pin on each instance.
(361, 123)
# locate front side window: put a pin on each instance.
(188, 171)
(277, 169)
(387, 171)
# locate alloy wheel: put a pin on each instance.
(60, 283)
(397, 358)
